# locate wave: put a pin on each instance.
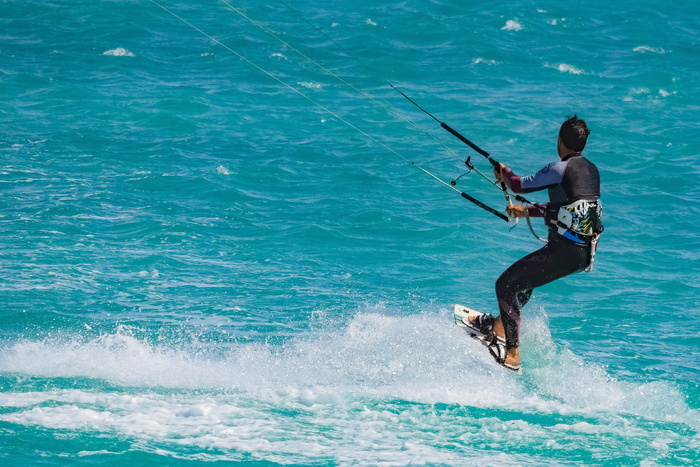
(646, 48)
(418, 358)
(379, 379)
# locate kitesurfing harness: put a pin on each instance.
(574, 210)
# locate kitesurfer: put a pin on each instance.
(573, 217)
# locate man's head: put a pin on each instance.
(573, 134)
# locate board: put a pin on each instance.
(462, 315)
(496, 345)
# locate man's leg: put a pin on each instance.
(514, 287)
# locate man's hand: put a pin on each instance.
(497, 173)
(516, 210)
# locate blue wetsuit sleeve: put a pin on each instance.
(550, 175)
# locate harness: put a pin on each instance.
(581, 222)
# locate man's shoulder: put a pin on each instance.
(581, 161)
(556, 166)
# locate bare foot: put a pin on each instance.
(512, 355)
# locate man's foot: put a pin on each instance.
(512, 360)
(495, 341)
(480, 326)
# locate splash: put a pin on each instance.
(379, 380)
(419, 358)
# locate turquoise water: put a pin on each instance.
(199, 264)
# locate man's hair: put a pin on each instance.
(574, 133)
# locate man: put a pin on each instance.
(573, 216)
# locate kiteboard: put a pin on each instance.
(495, 344)
(462, 316)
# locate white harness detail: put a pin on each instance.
(580, 217)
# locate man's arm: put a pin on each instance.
(550, 175)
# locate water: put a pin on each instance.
(199, 264)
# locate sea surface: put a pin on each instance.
(221, 242)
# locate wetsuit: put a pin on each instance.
(566, 252)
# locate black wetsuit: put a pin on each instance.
(572, 179)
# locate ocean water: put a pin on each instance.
(214, 250)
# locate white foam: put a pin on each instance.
(642, 90)
(566, 68)
(223, 170)
(284, 402)
(95, 453)
(384, 435)
(512, 25)
(119, 52)
(646, 49)
(648, 93)
(117, 357)
(416, 358)
(484, 61)
(310, 85)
